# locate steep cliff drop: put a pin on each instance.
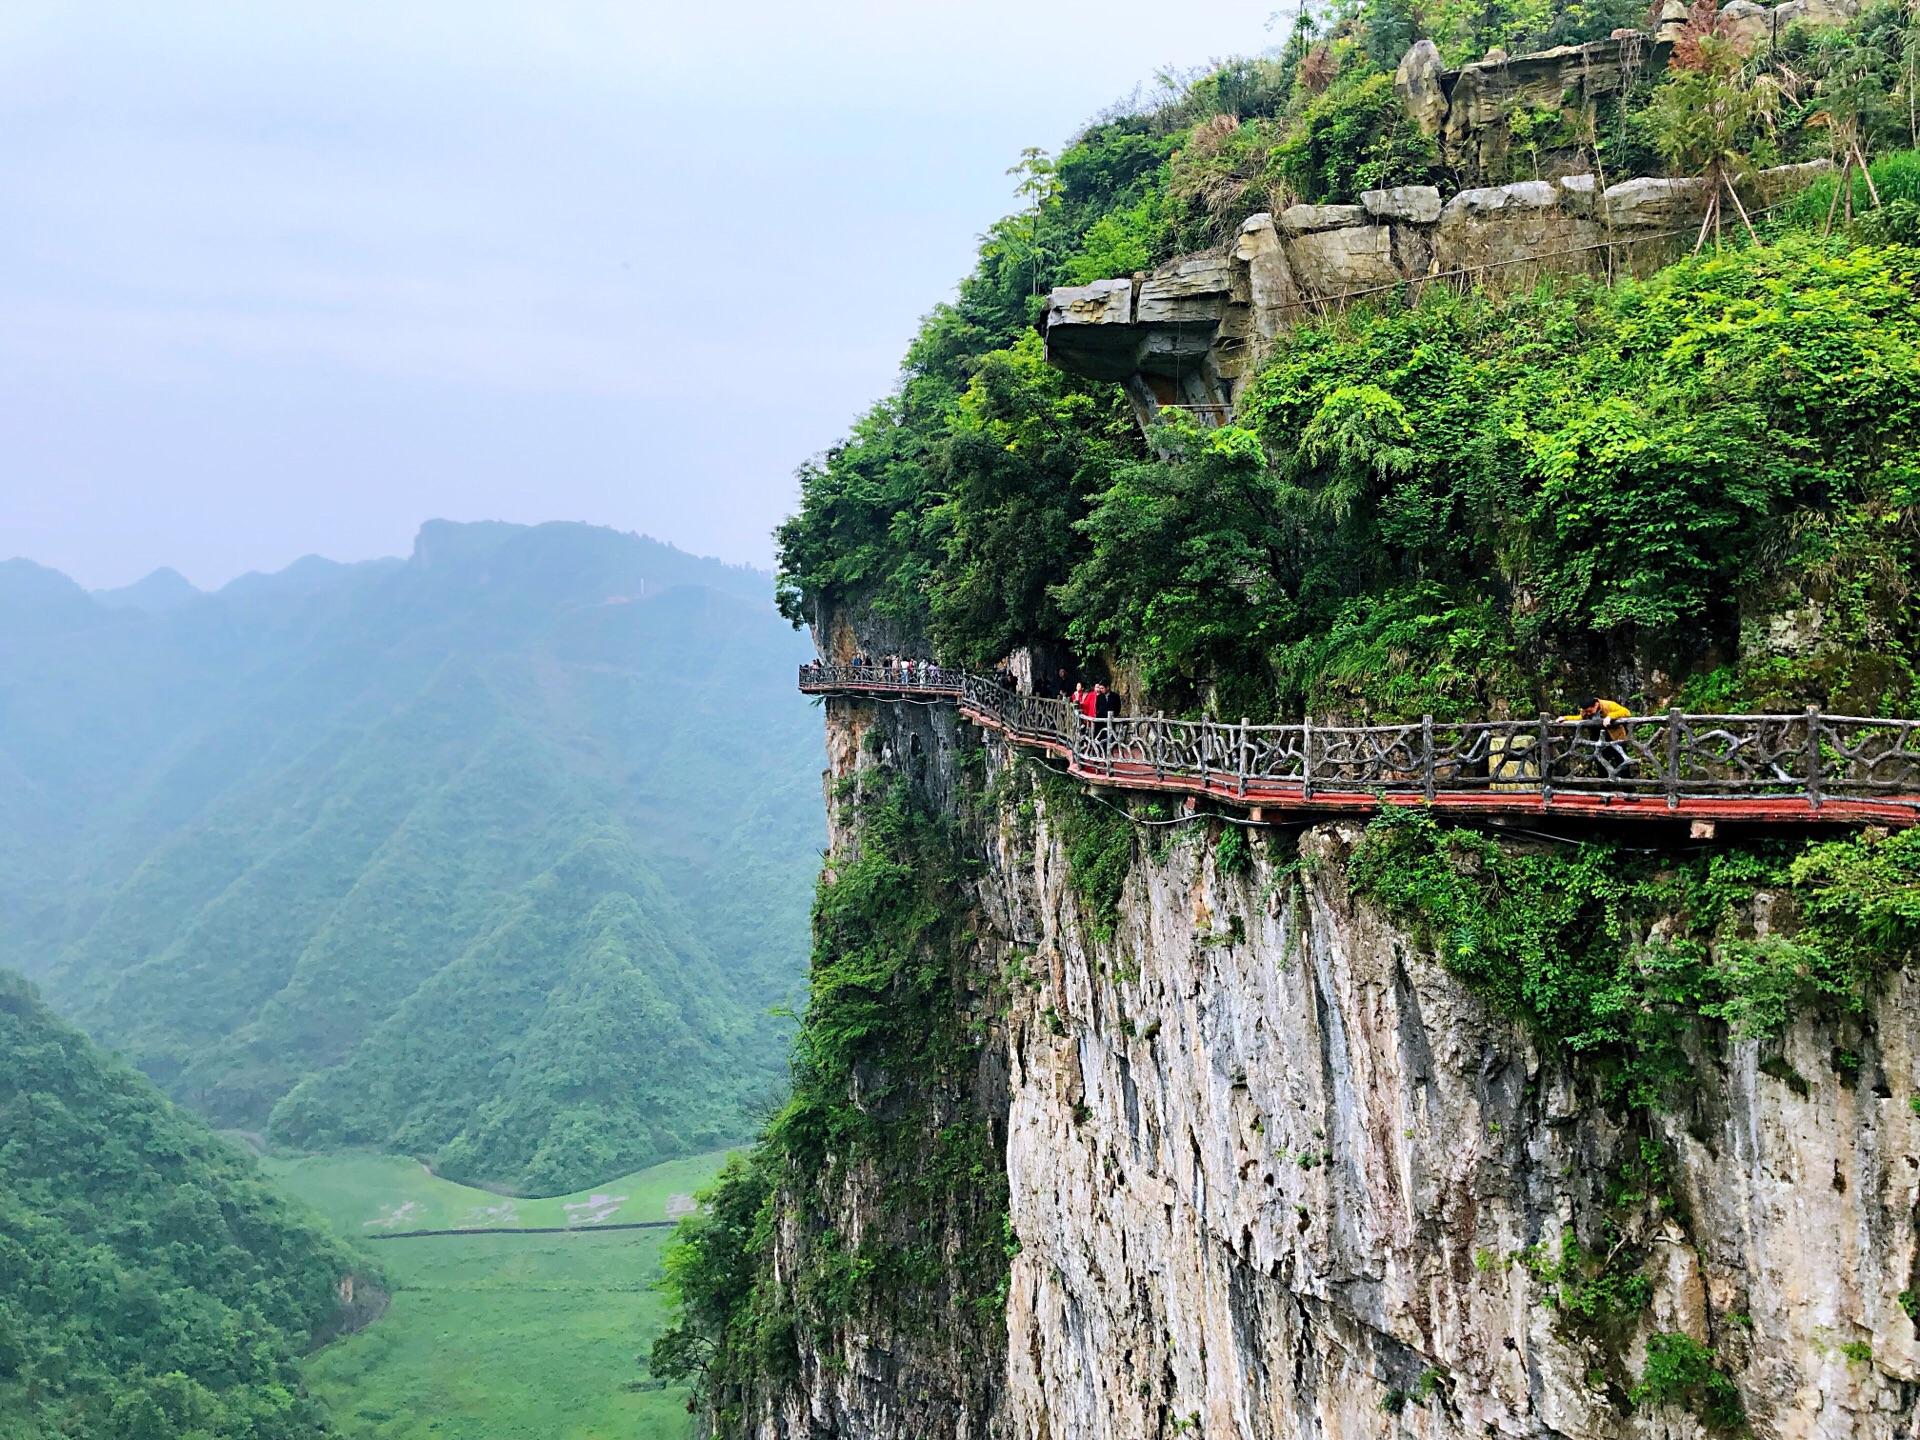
(1273, 1170)
(1116, 1116)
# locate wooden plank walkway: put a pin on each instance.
(1803, 768)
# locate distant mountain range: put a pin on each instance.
(498, 855)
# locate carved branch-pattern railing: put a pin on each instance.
(1675, 756)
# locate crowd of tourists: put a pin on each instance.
(1095, 701)
(898, 669)
(1091, 699)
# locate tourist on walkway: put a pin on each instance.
(1601, 718)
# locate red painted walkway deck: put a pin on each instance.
(1806, 768)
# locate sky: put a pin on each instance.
(292, 277)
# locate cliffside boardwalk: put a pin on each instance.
(1780, 769)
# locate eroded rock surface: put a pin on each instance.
(1191, 333)
(1271, 1168)
(1274, 1163)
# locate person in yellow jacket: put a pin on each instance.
(1605, 716)
(1607, 712)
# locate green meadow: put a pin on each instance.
(364, 1195)
(499, 1337)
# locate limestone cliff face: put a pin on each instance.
(1269, 1183)
(928, 1361)
(1270, 1168)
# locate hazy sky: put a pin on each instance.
(280, 276)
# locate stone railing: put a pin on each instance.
(1802, 766)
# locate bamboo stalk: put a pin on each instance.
(1705, 221)
(1861, 161)
(1846, 164)
(1751, 233)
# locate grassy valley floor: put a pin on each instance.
(499, 1337)
(365, 1195)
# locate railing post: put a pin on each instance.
(1813, 756)
(1246, 757)
(1159, 743)
(1673, 757)
(1306, 757)
(1426, 755)
(1544, 762)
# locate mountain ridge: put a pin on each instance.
(264, 821)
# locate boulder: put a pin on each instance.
(1090, 329)
(1812, 12)
(1332, 262)
(1747, 23)
(1771, 186)
(1104, 302)
(1752, 25)
(1514, 234)
(1305, 219)
(1500, 200)
(1418, 204)
(1650, 203)
(1577, 193)
(1188, 290)
(1418, 80)
(1274, 297)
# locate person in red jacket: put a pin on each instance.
(1089, 702)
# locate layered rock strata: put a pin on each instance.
(1191, 333)
(1471, 110)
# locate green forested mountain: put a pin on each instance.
(152, 1285)
(498, 855)
(1448, 506)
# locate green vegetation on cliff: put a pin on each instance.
(1427, 509)
(497, 856)
(1617, 956)
(1696, 488)
(152, 1285)
(1446, 507)
(884, 1074)
(1634, 963)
